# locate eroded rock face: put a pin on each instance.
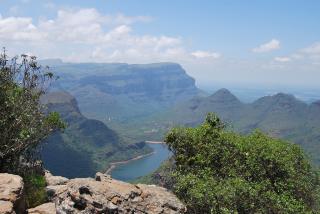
(106, 195)
(11, 194)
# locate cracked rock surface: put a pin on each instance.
(106, 195)
(101, 194)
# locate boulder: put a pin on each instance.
(47, 208)
(106, 195)
(54, 180)
(6, 207)
(11, 194)
(53, 191)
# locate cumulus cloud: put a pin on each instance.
(19, 29)
(314, 49)
(205, 54)
(307, 55)
(282, 59)
(85, 25)
(274, 44)
(87, 35)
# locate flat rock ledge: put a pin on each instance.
(101, 194)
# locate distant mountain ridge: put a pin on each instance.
(280, 115)
(123, 91)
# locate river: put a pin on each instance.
(143, 166)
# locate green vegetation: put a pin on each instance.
(280, 115)
(23, 123)
(142, 102)
(35, 190)
(218, 171)
(123, 96)
(86, 145)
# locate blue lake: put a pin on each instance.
(143, 166)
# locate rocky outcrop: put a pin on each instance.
(106, 195)
(54, 180)
(101, 194)
(11, 194)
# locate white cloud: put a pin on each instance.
(314, 49)
(282, 59)
(19, 29)
(274, 44)
(87, 35)
(122, 19)
(205, 54)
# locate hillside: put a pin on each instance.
(280, 115)
(87, 145)
(123, 95)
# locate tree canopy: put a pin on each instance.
(218, 171)
(23, 120)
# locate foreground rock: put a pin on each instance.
(54, 180)
(47, 208)
(106, 195)
(11, 194)
(87, 195)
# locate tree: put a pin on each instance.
(24, 122)
(218, 171)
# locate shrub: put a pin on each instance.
(218, 171)
(35, 190)
(23, 122)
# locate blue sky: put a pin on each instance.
(274, 42)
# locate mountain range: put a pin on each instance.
(280, 115)
(119, 91)
(130, 104)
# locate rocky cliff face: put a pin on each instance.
(87, 195)
(87, 145)
(121, 91)
(165, 81)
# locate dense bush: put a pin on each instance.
(36, 194)
(23, 122)
(218, 171)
